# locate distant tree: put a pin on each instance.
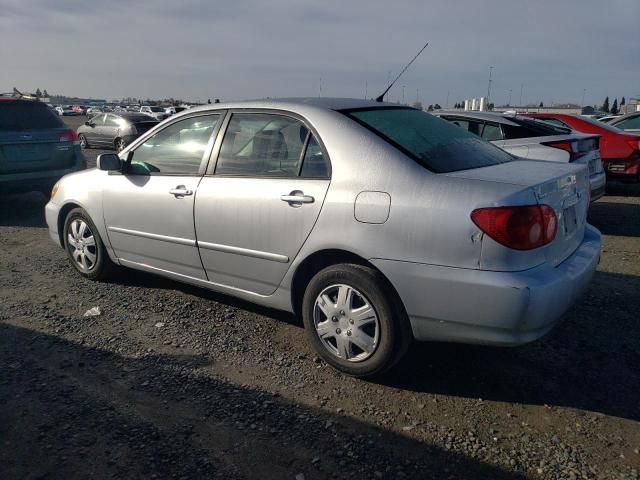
(605, 105)
(45, 93)
(623, 102)
(430, 108)
(541, 105)
(437, 107)
(614, 107)
(38, 93)
(491, 106)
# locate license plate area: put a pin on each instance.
(570, 221)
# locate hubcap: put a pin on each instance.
(346, 323)
(83, 141)
(82, 245)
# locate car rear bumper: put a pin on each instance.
(626, 170)
(32, 181)
(493, 308)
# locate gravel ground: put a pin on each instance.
(172, 381)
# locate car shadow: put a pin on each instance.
(23, 210)
(72, 410)
(620, 219)
(590, 361)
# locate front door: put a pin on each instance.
(255, 211)
(148, 210)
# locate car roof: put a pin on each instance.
(488, 116)
(297, 104)
(134, 116)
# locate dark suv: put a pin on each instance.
(36, 148)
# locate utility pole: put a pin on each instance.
(489, 87)
(417, 95)
(320, 87)
(584, 92)
(403, 93)
(510, 91)
(521, 88)
(447, 103)
(366, 89)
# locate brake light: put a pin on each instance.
(521, 228)
(571, 147)
(69, 136)
(634, 143)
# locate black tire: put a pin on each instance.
(119, 144)
(83, 141)
(100, 268)
(394, 335)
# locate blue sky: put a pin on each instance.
(198, 49)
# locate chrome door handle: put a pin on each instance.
(297, 198)
(180, 191)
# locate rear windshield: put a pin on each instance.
(22, 115)
(436, 144)
(602, 125)
(544, 128)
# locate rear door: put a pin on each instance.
(148, 210)
(109, 131)
(92, 132)
(256, 209)
(33, 138)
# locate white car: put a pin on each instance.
(153, 111)
(536, 140)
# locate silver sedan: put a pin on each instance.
(376, 223)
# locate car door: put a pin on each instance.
(255, 210)
(92, 132)
(148, 209)
(109, 131)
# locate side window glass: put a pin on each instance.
(257, 144)
(630, 124)
(460, 123)
(113, 121)
(554, 121)
(314, 164)
(517, 131)
(98, 120)
(491, 132)
(176, 149)
(475, 127)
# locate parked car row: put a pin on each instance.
(114, 130)
(536, 140)
(376, 223)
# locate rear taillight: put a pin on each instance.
(575, 148)
(69, 136)
(521, 228)
(634, 143)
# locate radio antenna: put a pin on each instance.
(381, 97)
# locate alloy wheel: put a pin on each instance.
(82, 245)
(346, 323)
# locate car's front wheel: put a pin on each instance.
(83, 141)
(84, 246)
(355, 323)
(119, 144)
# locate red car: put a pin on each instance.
(620, 151)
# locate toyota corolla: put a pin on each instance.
(376, 223)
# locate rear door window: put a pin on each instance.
(259, 144)
(491, 132)
(27, 115)
(437, 144)
(629, 124)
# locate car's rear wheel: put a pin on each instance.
(83, 141)
(119, 144)
(355, 323)
(84, 246)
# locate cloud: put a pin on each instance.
(246, 49)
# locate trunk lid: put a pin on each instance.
(23, 151)
(563, 187)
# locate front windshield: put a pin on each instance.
(438, 145)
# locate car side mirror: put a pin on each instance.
(109, 162)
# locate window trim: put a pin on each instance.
(215, 152)
(205, 155)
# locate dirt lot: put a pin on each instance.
(172, 381)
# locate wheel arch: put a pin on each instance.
(321, 259)
(62, 216)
